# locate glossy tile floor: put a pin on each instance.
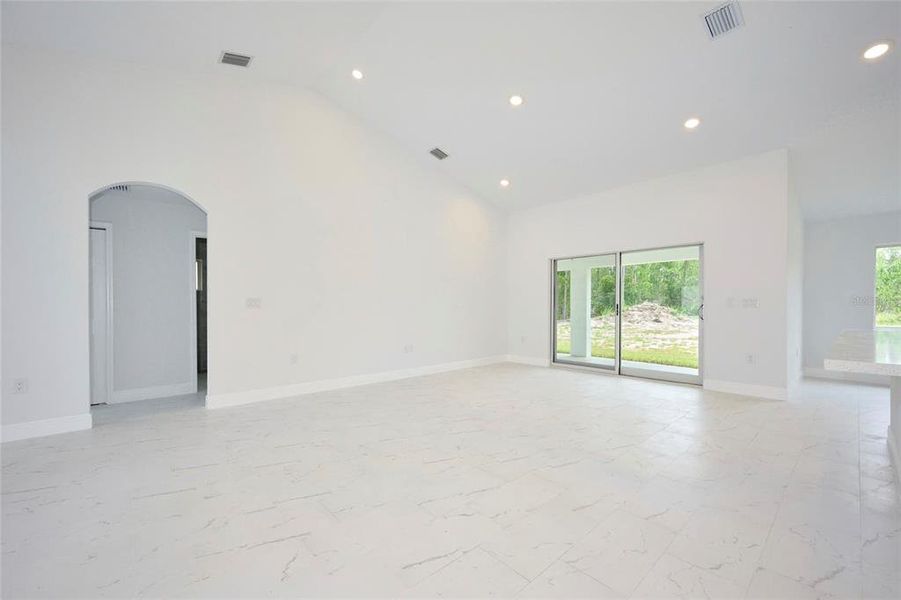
(498, 481)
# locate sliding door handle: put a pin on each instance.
(701, 311)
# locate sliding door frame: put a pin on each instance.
(617, 367)
(651, 373)
(614, 370)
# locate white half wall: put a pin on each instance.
(365, 259)
(839, 281)
(738, 210)
(153, 293)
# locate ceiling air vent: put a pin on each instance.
(117, 188)
(239, 60)
(724, 19)
(438, 153)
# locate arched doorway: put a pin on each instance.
(148, 290)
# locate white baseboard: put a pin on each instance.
(867, 378)
(149, 393)
(894, 452)
(746, 389)
(33, 429)
(323, 385)
(528, 360)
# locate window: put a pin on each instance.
(888, 286)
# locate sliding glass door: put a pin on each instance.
(635, 313)
(584, 319)
(661, 315)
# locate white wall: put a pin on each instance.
(852, 164)
(355, 248)
(839, 278)
(739, 210)
(153, 272)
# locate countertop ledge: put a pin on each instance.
(876, 351)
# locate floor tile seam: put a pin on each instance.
(771, 527)
(653, 566)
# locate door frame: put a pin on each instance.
(614, 369)
(646, 373)
(107, 227)
(193, 236)
(617, 368)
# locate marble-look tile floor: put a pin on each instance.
(506, 481)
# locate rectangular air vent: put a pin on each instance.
(239, 60)
(724, 19)
(438, 153)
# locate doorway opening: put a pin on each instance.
(101, 300)
(634, 313)
(148, 296)
(200, 318)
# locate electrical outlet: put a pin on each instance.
(522, 339)
(293, 359)
(750, 303)
(408, 348)
(751, 359)
(20, 386)
(254, 303)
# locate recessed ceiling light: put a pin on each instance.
(505, 183)
(516, 100)
(877, 50)
(692, 123)
(357, 74)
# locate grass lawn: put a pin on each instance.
(673, 356)
(888, 319)
(648, 337)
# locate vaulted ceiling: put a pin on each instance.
(607, 85)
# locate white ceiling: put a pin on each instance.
(607, 85)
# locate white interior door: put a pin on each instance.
(99, 290)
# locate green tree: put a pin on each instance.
(673, 284)
(888, 286)
(603, 291)
(562, 295)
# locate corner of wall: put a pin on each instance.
(794, 302)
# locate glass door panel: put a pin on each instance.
(585, 311)
(660, 329)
